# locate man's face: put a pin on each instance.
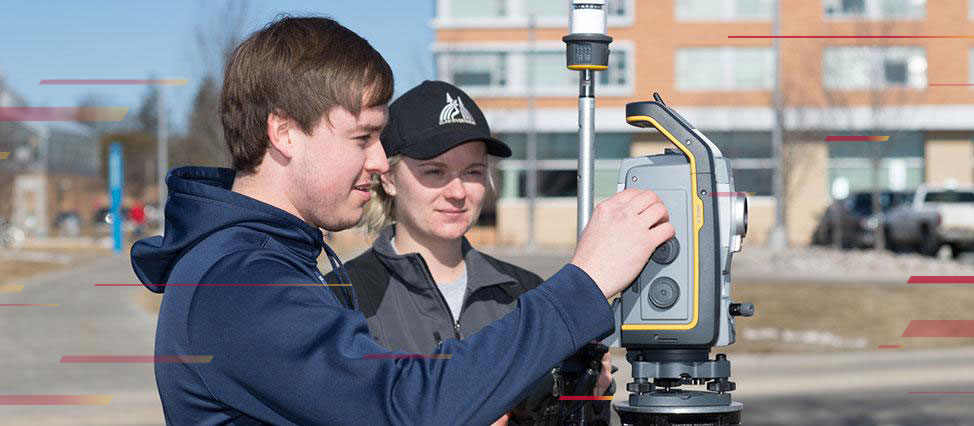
(333, 166)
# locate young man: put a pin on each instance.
(302, 106)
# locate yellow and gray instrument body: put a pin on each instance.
(682, 297)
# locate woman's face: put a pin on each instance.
(440, 197)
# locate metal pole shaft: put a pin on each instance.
(586, 148)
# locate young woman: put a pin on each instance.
(422, 282)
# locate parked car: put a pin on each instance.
(936, 216)
(68, 224)
(10, 235)
(856, 218)
(104, 218)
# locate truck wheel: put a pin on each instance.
(929, 245)
(955, 251)
(888, 241)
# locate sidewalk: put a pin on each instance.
(88, 320)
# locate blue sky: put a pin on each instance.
(142, 39)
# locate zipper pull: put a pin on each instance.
(456, 329)
(439, 340)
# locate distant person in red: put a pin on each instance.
(137, 216)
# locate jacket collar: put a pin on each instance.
(410, 266)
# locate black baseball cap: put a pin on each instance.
(434, 117)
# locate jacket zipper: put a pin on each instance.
(429, 277)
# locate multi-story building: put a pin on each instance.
(508, 54)
(49, 169)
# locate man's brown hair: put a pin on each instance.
(299, 68)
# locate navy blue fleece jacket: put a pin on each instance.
(295, 354)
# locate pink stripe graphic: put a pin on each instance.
(113, 81)
(946, 392)
(55, 399)
(939, 328)
(842, 37)
(63, 113)
(731, 194)
(136, 359)
(407, 356)
(584, 398)
(27, 304)
(225, 285)
(857, 138)
(941, 279)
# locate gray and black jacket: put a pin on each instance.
(404, 307)
(406, 311)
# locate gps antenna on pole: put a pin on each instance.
(587, 52)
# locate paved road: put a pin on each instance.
(855, 388)
(861, 388)
(88, 320)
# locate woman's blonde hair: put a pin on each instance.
(379, 211)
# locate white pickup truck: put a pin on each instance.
(937, 216)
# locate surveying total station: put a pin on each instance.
(680, 306)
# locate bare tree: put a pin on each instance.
(215, 38)
(877, 107)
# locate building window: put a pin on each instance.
(547, 8)
(548, 71)
(724, 68)
(492, 73)
(875, 9)
(872, 68)
(751, 157)
(724, 10)
(900, 166)
(970, 65)
(474, 69)
(558, 162)
(476, 9)
(515, 13)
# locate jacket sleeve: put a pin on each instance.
(291, 354)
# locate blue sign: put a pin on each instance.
(115, 179)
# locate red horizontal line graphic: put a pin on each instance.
(584, 398)
(27, 304)
(407, 356)
(947, 392)
(849, 36)
(224, 285)
(890, 346)
(55, 399)
(939, 328)
(731, 194)
(857, 138)
(123, 81)
(136, 359)
(941, 279)
(63, 113)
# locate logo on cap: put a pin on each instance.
(454, 112)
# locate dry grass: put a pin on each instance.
(18, 270)
(13, 271)
(877, 313)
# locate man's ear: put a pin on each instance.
(278, 127)
(388, 185)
